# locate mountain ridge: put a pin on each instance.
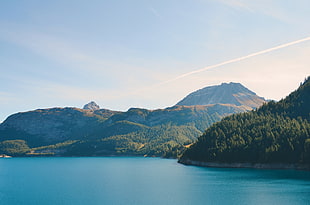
(92, 131)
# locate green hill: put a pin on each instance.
(100, 132)
(277, 132)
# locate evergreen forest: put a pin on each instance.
(277, 132)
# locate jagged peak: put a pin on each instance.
(91, 106)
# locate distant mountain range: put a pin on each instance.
(100, 132)
(276, 135)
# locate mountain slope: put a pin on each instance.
(93, 131)
(275, 133)
(295, 105)
(153, 132)
(226, 93)
(47, 126)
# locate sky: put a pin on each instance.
(147, 53)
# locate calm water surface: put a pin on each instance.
(129, 180)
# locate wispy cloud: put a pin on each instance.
(156, 13)
(237, 4)
(279, 10)
(49, 46)
(237, 59)
(75, 58)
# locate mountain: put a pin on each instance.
(226, 93)
(277, 135)
(161, 132)
(99, 132)
(91, 106)
(46, 126)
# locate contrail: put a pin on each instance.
(236, 60)
(223, 63)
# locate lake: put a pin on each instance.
(135, 180)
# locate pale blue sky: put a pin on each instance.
(119, 53)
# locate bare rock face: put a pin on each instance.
(91, 106)
(226, 93)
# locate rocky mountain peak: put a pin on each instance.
(91, 106)
(226, 93)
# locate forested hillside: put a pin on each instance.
(78, 132)
(278, 132)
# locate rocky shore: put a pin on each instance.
(246, 165)
(5, 156)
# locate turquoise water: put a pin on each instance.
(129, 180)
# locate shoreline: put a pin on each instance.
(5, 156)
(245, 165)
